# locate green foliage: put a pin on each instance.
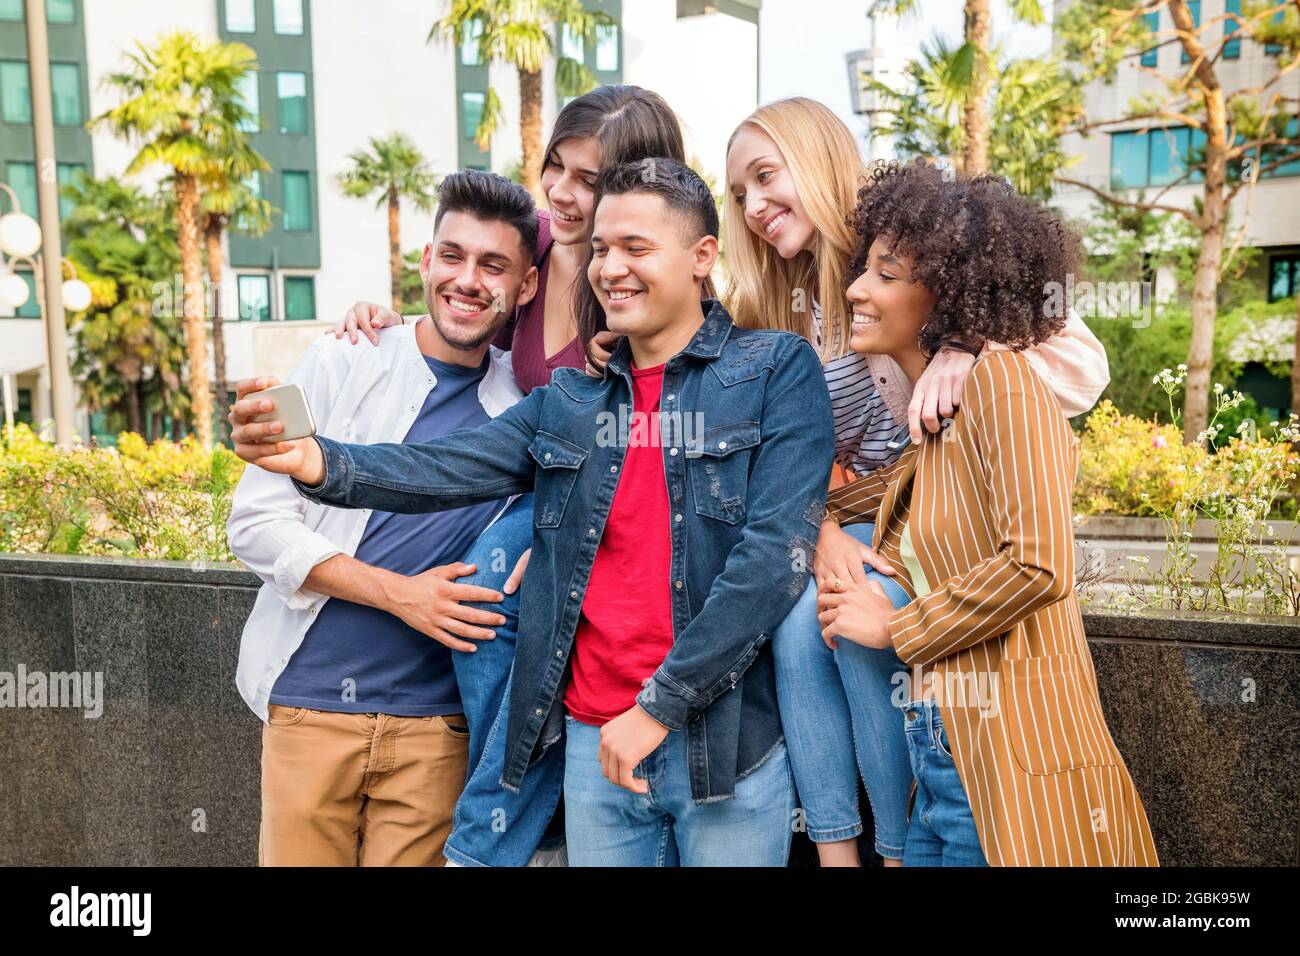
(1034, 102)
(160, 500)
(127, 352)
(393, 166)
(519, 33)
(412, 285)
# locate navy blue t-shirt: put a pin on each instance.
(356, 659)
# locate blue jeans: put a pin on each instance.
(840, 721)
(606, 825)
(942, 830)
(492, 826)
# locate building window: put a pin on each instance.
(70, 174)
(255, 298)
(287, 15)
(1195, 7)
(1273, 49)
(15, 92)
(1156, 158)
(1283, 277)
(65, 89)
(571, 44)
(241, 17)
(246, 89)
(471, 113)
(291, 88)
(1231, 49)
(22, 178)
(299, 298)
(1152, 22)
(23, 413)
(61, 11)
(297, 202)
(11, 10)
(607, 48)
(469, 43)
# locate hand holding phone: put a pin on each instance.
(289, 408)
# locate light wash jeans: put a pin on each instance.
(942, 831)
(840, 721)
(492, 826)
(606, 825)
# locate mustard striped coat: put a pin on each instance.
(1000, 638)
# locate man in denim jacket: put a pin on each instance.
(655, 644)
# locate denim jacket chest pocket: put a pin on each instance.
(718, 464)
(559, 461)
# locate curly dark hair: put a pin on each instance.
(987, 254)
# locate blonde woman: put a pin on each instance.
(793, 174)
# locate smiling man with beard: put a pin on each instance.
(364, 747)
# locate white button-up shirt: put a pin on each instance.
(363, 394)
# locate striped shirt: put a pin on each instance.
(1000, 635)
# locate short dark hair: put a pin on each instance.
(492, 198)
(679, 186)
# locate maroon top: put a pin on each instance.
(524, 334)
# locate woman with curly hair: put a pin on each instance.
(793, 175)
(1013, 762)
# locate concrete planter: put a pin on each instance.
(1203, 708)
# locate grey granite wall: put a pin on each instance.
(1204, 712)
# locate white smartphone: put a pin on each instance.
(290, 407)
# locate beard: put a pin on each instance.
(457, 336)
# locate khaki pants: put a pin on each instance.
(358, 789)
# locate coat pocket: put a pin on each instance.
(719, 467)
(1053, 715)
(559, 461)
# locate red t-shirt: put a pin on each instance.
(626, 627)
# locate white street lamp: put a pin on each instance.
(76, 294)
(13, 291)
(19, 234)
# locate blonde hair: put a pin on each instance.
(766, 291)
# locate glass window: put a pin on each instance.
(69, 175)
(15, 92)
(1152, 22)
(255, 298)
(240, 16)
(471, 113)
(299, 298)
(288, 17)
(1168, 155)
(11, 10)
(1283, 277)
(291, 88)
(1292, 168)
(607, 48)
(22, 177)
(1273, 49)
(571, 43)
(297, 202)
(1231, 49)
(65, 87)
(469, 44)
(1129, 161)
(1195, 7)
(61, 11)
(247, 88)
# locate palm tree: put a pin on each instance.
(969, 72)
(182, 104)
(396, 169)
(519, 33)
(227, 201)
(127, 361)
(1032, 102)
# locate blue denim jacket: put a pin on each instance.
(747, 473)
